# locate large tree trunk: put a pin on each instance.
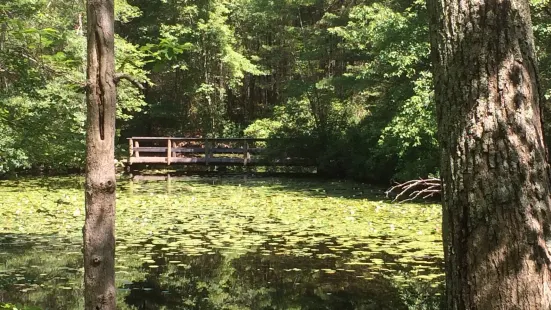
(99, 228)
(496, 185)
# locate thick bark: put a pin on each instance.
(99, 228)
(495, 175)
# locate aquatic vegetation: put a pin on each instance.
(213, 242)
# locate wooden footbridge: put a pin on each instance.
(203, 151)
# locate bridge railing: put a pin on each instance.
(174, 150)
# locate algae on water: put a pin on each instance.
(217, 244)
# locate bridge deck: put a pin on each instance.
(203, 151)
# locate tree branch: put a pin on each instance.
(124, 76)
(414, 189)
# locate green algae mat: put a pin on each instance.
(225, 243)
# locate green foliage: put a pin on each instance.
(196, 63)
(541, 18)
(263, 128)
(124, 12)
(16, 307)
(347, 84)
(361, 103)
(42, 75)
(411, 134)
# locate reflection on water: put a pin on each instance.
(227, 244)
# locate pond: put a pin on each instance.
(229, 242)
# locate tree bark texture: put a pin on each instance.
(99, 228)
(494, 164)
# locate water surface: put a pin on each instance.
(226, 243)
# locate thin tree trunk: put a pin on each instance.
(3, 71)
(99, 228)
(495, 174)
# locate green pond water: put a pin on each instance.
(225, 243)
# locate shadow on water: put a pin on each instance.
(307, 185)
(41, 270)
(259, 281)
(49, 183)
(47, 271)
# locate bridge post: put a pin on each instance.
(174, 145)
(130, 153)
(207, 152)
(130, 148)
(169, 152)
(137, 145)
(246, 153)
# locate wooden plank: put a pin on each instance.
(191, 150)
(199, 139)
(137, 146)
(201, 150)
(162, 160)
(153, 149)
(203, 160)
(151, 138)
(189, 160)
(148, 160)
(162, 149)
(198, 150)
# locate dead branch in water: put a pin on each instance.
(416, 189)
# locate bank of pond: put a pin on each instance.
(235, 242)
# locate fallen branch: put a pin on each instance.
(124, 76)
(416, 189)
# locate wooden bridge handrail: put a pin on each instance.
(207, 148)
(208, 151)
(198, 139)
(194, 150)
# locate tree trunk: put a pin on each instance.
(494, 165)
(99, 228)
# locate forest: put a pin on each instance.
(451, 96)
(349, 81)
